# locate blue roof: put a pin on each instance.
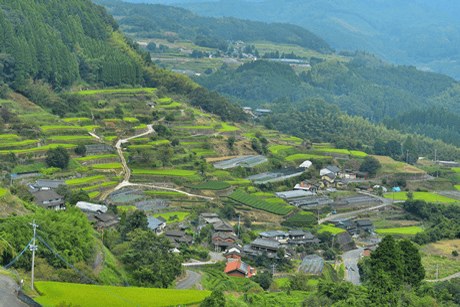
(154, 222)
(396, 189)
(272, 233)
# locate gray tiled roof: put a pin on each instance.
(222, 226)
(46, 195)
(46, 183)
(224, 236)
(333, 168)
(364, 223)
(267, 243)
(174, 233)
(272, 233)
(154, 223)
(244, 267)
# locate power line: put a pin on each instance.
(92, 281)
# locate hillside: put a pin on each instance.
(160, 21)
(421, 33)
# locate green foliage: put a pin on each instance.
(87, 158)
(57, 157)
(106, 166)
(216, 299)
(264, 279)
(211, 185)
(149, 260)
(387, 259)
(80, 150)
(274, 149)
(426, 196)
(414, 272)
(400, 231)
(55, 293)
(370, 165)
(84, 180)
(301, 219)
(172, 172)
(255, 202)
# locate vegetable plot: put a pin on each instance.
(255, 202)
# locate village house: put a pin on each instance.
(259, 246)
(276, 235)
(299, 237)
(176, 237)
(365, 225)
(45, 184)
(49, 199)
(157, 224)
(234, 252)
(334, 169)
(222, 240)
(222, 226)
(102, 221)
(239, 269)
(308, 185)
(348, 174)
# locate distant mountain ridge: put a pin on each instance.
(419, 33)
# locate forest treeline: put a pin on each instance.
(161, 21)
(317, 121)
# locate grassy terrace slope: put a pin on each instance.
(429, 197)
(54, 293)
(255, 202)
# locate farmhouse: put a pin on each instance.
(222, 226)
(239, 269)
(222, 240)
(334, 169)
(308, 185)
(234, 253)
(276, 235)
(365, 225)
(45, 184)
(299, 237)
(176, 237)
(49, 199)
(346, 242)
(259, 246)
(102, 221)
(156, 224)
(262, 112)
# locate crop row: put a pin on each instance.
(226, 128)
(107, 166)
(104, 184)
(2, 192)
(74, 119)
(164, 172)
(255, 202)
(46, 147)
(274, 149)
(71, 137)
(114, 91)
(211, 185)
(159, 142)
(141, 126)
(94, 157)
(22, 143)
(93, 194)
(84, 180)
(172, 105)
(130, 119)
(8, 136)
(305, 157)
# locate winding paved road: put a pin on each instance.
(7, 296)
(350, 260)
(127, 171)
(192, 279)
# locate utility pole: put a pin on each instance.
(33, 248)
(239, 216)
(405, 165)
(273, 269)
(437, 271)
(437, 164)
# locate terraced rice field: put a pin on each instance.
(159, 142)
(164, 193)
(196, 112)
(194, 127)
(93, 194)
(400, 231)
(19, 144)
(429, 197)
(330, 228)
(35, 149)
(226, 128)
(171, 105)
(8, 136)
(54, 127)
(202, 152)
(91, 127)
(141, 126)
(71, 137)
(74, 119)
(211, 185)
(292, 139)
(2, 192)
(96, 157)
(107, 166)
(130, 119)
(112, 120)
(85, 180)
(115, 91)
(164, 172)
(274, 149)
(305, 157)
(255, 202)
(109, 138)
(104, 184)
(238, 181)
(140, 146)
(166, 216)
(166, 99)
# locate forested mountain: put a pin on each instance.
(160, 21)
(318, 121)
(375, 92)
(421, 33)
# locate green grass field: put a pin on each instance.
(140, 146)
(19, 144)
(457, 187)
(194, 127)
(191, 143)
(171, 105)
(164, 193)
(159, 142)
(8, 136)
(226, 128)
(35, 167)
(71, 137)
(114, 91)
(96, 157)
(54, 293)
(255, 202)
(275, 201)
(91, 127)
(166, 216)
(164, 172)
(334, 150)
(274, 149)
(84, 180)
(305, 157)
(43, 148)
(107, 166)
(104, 184)
(112, 120)
(265, 194)
(358, 154)
(202, 152)
(196, 112)
(166, 99)
(74, 119)
(2, 192)
(429, 197)
(400, 231)
(141, 126)
(54, 127)
(238, 181)
(211, 185)
(130, 119)
(93, 194)
(109, 138)
(330, 228)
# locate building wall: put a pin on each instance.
(236, 274)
